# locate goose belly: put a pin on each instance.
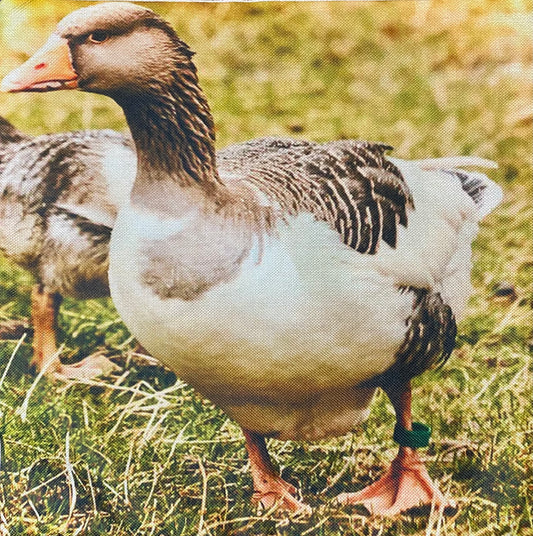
(284, 343)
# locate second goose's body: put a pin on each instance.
(58, 201)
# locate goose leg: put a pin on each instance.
(406, 485)
(44, 311)
(269, 488)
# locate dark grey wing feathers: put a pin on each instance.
(473, 184)
(348, 184)
(57, 168)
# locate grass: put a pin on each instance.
(140, 453)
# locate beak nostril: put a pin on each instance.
(40, 66)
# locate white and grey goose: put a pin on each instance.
(285, 280)
(58, 198)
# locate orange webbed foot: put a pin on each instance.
(273, 492)
(406, 486)
(88, 368)
(270, 490)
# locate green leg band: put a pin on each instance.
(416, 438)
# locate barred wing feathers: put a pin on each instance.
(349, 184)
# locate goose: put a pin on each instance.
(285, 280)
(56, 214)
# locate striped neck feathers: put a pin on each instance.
(173, 130)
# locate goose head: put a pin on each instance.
(116, 49)
(132, 55)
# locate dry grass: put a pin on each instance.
(140, 453)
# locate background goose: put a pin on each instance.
(56, 214)
(290, 280)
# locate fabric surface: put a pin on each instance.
(130, 447)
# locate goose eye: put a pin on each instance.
(98, 36)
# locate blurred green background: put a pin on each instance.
(431, 78)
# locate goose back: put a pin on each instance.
(55, 205)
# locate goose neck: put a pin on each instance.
(174, 136)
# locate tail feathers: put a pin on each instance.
(447, 162)
(486, 194)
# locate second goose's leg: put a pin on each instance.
(44, 311)
(269, 488)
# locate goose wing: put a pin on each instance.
(413, 220)
(68, 173)
(349, 184)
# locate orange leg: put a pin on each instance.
(44, 311)
(269, 488)
(406, 485)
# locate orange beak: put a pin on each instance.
(48, 69)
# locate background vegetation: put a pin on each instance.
(140, 453)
